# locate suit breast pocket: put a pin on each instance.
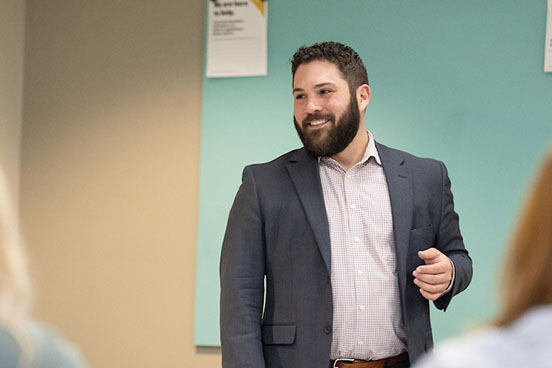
(421, 238)
(278, 334)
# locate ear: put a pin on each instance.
(363, 96)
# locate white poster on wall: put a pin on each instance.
(236, 41)
(548, 45)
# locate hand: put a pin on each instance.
(433, 278)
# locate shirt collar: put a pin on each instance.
(371, 151)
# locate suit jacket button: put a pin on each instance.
(327, 330)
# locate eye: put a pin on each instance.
(325, 91)
(299, 96)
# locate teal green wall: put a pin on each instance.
(460, 81)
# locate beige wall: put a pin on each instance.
(12, 23)
(109, 178)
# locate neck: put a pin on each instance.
(354, 152)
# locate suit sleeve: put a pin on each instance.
(242, 270)
(450, 242)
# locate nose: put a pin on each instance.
(313, 105)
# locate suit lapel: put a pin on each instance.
(399, 183)
(305, 175)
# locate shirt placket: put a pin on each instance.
(357, 250)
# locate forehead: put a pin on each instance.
(317, 72)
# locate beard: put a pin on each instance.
(331, 140)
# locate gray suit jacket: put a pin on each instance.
(278, 233)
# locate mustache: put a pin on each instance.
(318, 116)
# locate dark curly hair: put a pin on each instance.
(344, 57)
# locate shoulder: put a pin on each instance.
(9, 349)
(423, 168)
(53, 351)
(476, 350)
(406, 157)
(524, 343)
(276, 167)
(48, 349)
(281, 160)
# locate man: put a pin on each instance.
(351, 237)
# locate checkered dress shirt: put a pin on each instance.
(367, 320)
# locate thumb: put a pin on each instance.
(429, 254)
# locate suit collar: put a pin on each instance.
(399, 183)
(304, 172)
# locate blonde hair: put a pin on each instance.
(15, 288)
(527, 274)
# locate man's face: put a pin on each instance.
(326, 115)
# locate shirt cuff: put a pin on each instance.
(449, 288)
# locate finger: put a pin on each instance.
(433, 286)
(434, 279)
(430, 296)
(438, 288)
(429, 254)
(436, 268)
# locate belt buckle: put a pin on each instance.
(349, 360)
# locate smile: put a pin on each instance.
(316, 123)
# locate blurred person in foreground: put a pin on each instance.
(522, 334)
(23, 342)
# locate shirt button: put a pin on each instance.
(360, 272)
(357, 239)
(360, 342)
(327, 330)
(353, 206)
(361, 307)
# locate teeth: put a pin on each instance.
(317, 122)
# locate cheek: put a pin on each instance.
(336, 108)
(298, 112)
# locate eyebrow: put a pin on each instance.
(319, 85)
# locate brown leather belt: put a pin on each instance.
(380, 363)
